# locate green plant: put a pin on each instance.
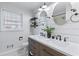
(49, 30)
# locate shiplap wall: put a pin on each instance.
(9, 38)
(69, 29)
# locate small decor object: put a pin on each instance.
(33, 22)
(49, 30)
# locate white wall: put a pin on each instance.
(69, 29)
(8, 38)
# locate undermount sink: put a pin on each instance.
(58, 43)
(54, 41)
(68, 47)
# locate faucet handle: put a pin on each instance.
(65, 39)
(58, 37)
(53, 37)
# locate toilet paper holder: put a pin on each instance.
(20, 38)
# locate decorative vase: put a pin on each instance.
(49, 35)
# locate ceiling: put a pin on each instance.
(30, 7)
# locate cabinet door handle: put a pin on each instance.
(31, 53)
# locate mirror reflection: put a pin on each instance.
(59, 13)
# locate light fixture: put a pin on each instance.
(42, 7)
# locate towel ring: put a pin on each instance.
(72, 17)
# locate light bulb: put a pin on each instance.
(40, 9)
(44, 6)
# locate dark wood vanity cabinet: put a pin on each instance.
(46, 51)
(33, 48)
(38, 49)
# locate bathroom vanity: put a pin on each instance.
(41, 46)
(37, 48)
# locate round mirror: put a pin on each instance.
(59, 13)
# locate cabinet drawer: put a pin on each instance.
(33, 43)
(33, 47)
(38, 49)
(35, 52)
(46, 51)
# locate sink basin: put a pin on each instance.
(54, 41)
(59, 43)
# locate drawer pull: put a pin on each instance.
(31, 53)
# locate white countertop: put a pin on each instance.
(67, 48)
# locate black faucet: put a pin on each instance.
(58, 37)
(66, 38)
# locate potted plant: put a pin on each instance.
(49, 31)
